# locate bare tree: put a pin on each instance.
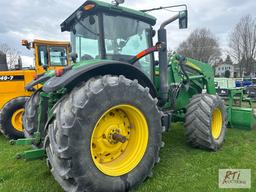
(242, 43)
(201, 45)
(12, 55)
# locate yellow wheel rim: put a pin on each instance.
(216, 123)
(17, 120)
(119, 140)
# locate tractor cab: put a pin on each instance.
(103, 31)
(49, 54)
(110, 32)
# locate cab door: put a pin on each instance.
(50, 57)
(41, 57)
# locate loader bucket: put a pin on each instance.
(242, 118)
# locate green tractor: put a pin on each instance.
(100, 121)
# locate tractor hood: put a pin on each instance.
(107, 8)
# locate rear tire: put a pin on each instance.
(11, 118)
(30, 117)
(68, 143)
(206, 122)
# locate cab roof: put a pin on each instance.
(109, 8)
(47, 42)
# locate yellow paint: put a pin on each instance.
(36, 43)
(193, 66)
(13, 89)
(112, 157)
(17, 120)
(216, 123)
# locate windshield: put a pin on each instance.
(85, 38)
(125, 38)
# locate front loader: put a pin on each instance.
(100, 121)
(48, 55)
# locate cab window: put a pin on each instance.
(85, 38)
(58, 56)
(42, 53)
(125, 37)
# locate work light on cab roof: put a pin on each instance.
(89, 7)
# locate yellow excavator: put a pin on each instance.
(49, 55)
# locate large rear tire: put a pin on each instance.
(206, 122)
(11, 118)
(106, 136)
(30, 117)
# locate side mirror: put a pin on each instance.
(183, 19)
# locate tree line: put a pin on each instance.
(204, 46)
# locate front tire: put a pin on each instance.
(84, 154)
(11, 118)
(206, 122)
(30, 117)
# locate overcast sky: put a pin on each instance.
(30, 19)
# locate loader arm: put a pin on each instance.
(201, 77)
(186, 69)
(206, 71)
(188, 77)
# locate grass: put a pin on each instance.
(181, 169)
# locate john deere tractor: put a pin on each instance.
(48, 55)
(100, 121)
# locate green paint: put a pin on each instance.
(90, 62)
(32, 154)
(242, 118)
(182, 85)
(27, 141)
(208, 73)
(50, 73)
(202, 78)
(238, 116)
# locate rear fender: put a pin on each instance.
(72, 77)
